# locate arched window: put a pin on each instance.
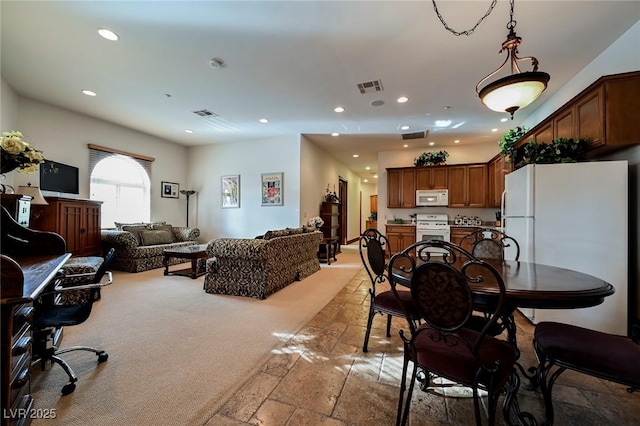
(123, 185)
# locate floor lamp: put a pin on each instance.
(187, 193)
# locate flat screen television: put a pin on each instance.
(58, 177)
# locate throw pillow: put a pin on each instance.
(152, 238)
(119, 225)
(164, 227)
(135, 230)
(293, 231)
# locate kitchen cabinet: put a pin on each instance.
(373, 204)
(435, 177)
(401, 187)
(605, 113)
(400, 236)
(459, 232)
(371, 224)
(468, 185)
(76, 220)
(498, 168)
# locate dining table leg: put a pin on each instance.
(511, 405)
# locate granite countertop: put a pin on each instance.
(405, 223)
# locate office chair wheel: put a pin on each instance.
(103, 356)
(68, 388)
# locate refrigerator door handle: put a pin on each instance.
(502, 216)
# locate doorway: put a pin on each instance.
(343, 197)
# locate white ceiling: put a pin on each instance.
(293, 62)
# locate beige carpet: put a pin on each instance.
(177, 353)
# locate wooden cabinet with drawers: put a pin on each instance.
(77, 220)
(400, 236)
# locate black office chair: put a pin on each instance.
(443, 345)
(50, 317)
(490, 243)
(377, 248)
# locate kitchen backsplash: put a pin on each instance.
(486, 215)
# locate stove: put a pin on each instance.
(432, 227)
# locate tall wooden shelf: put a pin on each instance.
(330, 214)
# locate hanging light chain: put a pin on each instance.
(471, 30)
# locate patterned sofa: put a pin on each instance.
(259, 267)
(139, 247)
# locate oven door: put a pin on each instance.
(425, 234)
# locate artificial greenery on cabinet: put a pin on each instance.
(508, 143)
(432, 158)
(561, 150)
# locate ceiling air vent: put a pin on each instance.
(415, 135)
(205, 113)
(370, 86)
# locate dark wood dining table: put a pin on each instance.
(530, 285)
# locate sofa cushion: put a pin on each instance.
(276, 233)
(166, 227)
(154, 237)
(119, 225)
(135, 230)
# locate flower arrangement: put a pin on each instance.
(431, 158)
(18, 154)
(316, 221)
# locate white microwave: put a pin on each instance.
(432, 197)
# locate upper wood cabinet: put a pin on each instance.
(432, 177)
(468, 185)
(606, 113)
(401, 187)
(373, 204)
(499, 167)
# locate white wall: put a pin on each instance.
(63, 137)
(207, 164)
(8, 118)
(319, 169)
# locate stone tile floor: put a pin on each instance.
(320, 376)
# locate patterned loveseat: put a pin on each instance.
(139, 247)
(259, 267)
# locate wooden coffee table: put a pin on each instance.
(197, 254)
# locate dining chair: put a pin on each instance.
(374, 250)
(490, 243)
(442, 345)
(602, 355)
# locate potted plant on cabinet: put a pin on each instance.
(431, 158)
(508, 143)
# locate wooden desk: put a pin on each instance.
(22, 281)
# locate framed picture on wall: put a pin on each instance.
(272, 189)
(230, 191)
(170, 190)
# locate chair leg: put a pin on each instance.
(407, 405)
(546, 386)
(389, 325)
(71, 386)
(403, 385)
(365, 346)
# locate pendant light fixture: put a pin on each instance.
(509, 94)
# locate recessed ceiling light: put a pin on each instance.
(335, 134)
(494, 130)
(339, 109)
(264, 120)
(375, 176)
(504, 119)
(402, 99)
(442, 123)
(188, 131)
(367, 168)
(366, 180)
(88, 92)
(405, 145)
(376, 103)
(432, 143)
(355, 156)
(108, 34)
(456, 141)
(216, 63)
(446, 107)
(405, 127)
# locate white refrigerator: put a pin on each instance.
(574, 216)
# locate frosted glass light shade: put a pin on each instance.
(516, 91)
